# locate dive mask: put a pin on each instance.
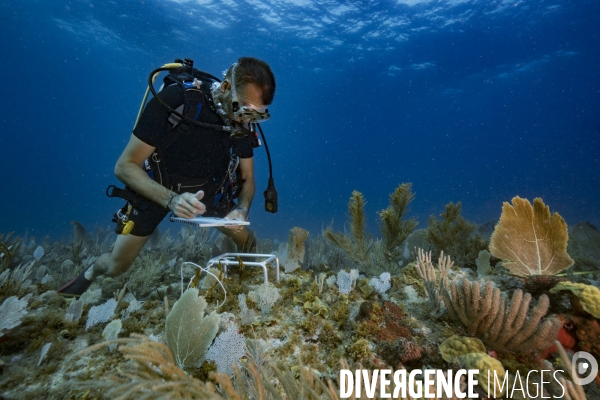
(245, 114)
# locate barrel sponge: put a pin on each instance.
(457, 346)
(485, 364)
(588, 295)
(530, 240)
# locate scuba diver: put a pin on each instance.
(190, 153)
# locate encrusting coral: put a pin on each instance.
(588, 295)
(587, 332)
(529, 240)
(489, 368)
(501, 325)
(456, 346)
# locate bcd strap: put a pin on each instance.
(138, 201)
(189, 76)
(192, 109)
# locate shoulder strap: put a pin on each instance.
(191, 109)
(183, 77)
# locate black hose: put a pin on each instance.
(172, 110)
(267, 150)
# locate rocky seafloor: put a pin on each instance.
(321, 316)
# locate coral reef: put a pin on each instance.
(368, 311)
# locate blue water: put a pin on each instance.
(471, 101)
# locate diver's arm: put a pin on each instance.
(244, 199)
(248, 189)
(129, 171)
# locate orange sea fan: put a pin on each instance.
(529, 240)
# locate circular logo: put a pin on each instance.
(584, 368)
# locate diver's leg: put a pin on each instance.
(244, 239)
(126, 249)
(124, 253)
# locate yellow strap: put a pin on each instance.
(169, 66)
(172, 65)
(142, 106)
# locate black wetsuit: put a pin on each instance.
(194, 160)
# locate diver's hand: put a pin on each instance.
(188, 205)
(238, 215)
